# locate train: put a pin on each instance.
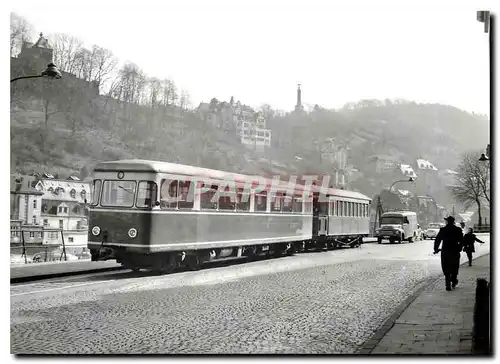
(160, 216)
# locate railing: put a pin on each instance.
(41, 247)
(482, 228)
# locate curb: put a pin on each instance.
(369, 345)
(62, 274)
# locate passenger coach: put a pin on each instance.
(157, 215)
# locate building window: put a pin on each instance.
(34, 204)
(72, 193)
(32, 234)
(45, 222)
(61, 224)
(65, 210)
(70, 239)
(34, 220)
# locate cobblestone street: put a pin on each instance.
(317, 303)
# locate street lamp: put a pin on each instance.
(485, 156)
(484, 16)
(402, 180)
(51, 72)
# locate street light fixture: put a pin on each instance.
(51, 72)
(483, 158)
(402, 180)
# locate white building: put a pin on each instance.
(407, 170)
(64, 206)
(252, 130)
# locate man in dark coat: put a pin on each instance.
(452, 238)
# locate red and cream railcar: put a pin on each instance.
(155, 215)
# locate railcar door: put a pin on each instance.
(320, 217)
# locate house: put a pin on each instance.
(25, 201)
(65, 206)
(407, 170)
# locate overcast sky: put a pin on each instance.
(258, 52)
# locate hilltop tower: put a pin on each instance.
(299, 107)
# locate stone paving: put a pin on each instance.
(438, 321)
(318, 303)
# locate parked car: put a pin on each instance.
(432, 230)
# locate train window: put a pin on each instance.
(339, 212)
(276, 202)
(297, 204)
(261, 202)
(356, 209)
(96, 191)
(308, 206)
(118, 193)
(146, 194)
(227, 202)
(185, 196)
(287, 204)
(206, 199)
(243, 201)
(168, 194)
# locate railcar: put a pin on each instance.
(157, 215)
(342, 220)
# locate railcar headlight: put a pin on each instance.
(96, 230)
(132, 233)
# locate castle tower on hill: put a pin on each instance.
(298, 106)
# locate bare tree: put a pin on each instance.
(131, 83)
(184, 100)
(66, 52)
(169, 92)
(471, 182)
(155, 92)
(20, 32)
(103, 65)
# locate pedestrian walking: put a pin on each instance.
(452, 238)
(469, 239)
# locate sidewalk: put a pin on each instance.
(438, 321)
(26, 271)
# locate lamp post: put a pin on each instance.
(379, 210)
(484, 16)
(51, 72)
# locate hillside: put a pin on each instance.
(65, 136)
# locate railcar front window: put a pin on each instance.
(146, 194)
(96, 191)
(118, 193)
(392, 220)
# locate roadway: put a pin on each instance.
(318, 303)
